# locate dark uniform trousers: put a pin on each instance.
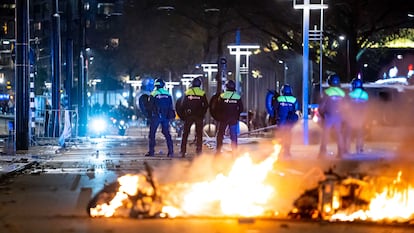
(198, 121)
(155, 121)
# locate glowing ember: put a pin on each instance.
(242, 192)
(394, 203)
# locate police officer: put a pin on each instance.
(194, 106)
(330, 109)
(285, 108)
(355, 115)
(228, 109)
(160, 108)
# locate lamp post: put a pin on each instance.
(209, 69)
(285, 68)
(239, 50)
(306, 6)
(187, 78)
(186, 82)
(317, 35)
(170, 85)
(348, 65)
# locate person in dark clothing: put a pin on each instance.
(285, 109)
(194, 106)
(355, 115)
(160, 113)
(331, 111)
(228, 108)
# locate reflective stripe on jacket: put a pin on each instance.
(358, 95)
(229, 106)
(195, 102)
(160, 102)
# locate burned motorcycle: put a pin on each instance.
(134, 196)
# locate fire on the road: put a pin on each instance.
(244, 190)
(395, 202)
(240, 192)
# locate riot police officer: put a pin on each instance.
(285, 108)
(355, 115)
(194, 107)
(160, 111)
(330, 109)
(227, 111)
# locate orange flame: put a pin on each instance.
(394, 203)
(242, 192)
(129, 186)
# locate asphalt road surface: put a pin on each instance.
(52, 195)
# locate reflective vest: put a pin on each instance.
(195, 102)
(358, 95)
(286, 109)
(161, 102)
(331, 103)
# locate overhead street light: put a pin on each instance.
(306, 6)
(209, 69)
(245, 50)
(239, 50)
(187, 78)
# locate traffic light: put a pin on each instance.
(8, 85)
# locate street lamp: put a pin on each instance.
(209, 69)
(239, 50)
(187, 78)
(348, 65)
(306, 6)
(170, 85)
(285, 68)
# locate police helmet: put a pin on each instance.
(356, 83)
(230, 85)
(334, 80)
(286, 89)
(159, 83)
(196, 82)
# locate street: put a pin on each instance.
(53, 193)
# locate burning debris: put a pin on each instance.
(133, 196)
(245, 189)
(241, 192)
(361, 198)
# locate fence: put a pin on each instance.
(45, 124)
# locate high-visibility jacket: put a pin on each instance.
(331, 103)
(285, 109)
(160, 103)
(195, 102)
(229, 107)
